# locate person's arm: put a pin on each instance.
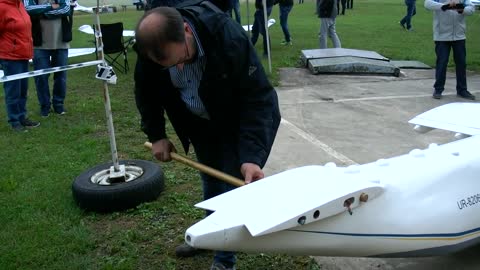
(433, 5)
(469, 9)
(148, 101)
(259, 115)
(33, 9)
(62, 10)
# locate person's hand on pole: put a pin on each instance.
(161, 150)
(251, 172)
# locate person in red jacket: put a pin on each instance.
(16, 48)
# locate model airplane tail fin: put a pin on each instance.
(282, 202)
(462, 118)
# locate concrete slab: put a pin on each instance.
(352, 65)
(337, 52)
(342, 60)
(410, 64)
(350, 119)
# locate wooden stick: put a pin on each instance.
(203, 168)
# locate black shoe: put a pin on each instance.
(184, 250)
(221, 266)
(59, 111)
(29, 123)
(437, 95)
(465, 94)
(402, 25)
(19, 128)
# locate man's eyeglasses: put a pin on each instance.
(181, 60)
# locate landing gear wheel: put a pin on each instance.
(95, 190)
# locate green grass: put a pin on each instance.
(41, 227)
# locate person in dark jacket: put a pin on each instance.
(285, 6)
(214, 90)
(258, 26)
(327, 12)
(16, 48)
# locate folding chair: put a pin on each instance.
(113, 45)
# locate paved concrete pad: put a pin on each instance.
(350, 119)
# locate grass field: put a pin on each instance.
(42, 228)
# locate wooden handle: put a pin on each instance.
(203, 168)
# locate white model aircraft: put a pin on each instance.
(249, 27)
(81, 8)
(423, 203)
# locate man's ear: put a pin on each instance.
(187, 28)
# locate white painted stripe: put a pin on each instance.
(47, 71)
(316, 142)
(363, 99)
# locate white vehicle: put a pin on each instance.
(423, 203)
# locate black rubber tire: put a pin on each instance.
(119, 196)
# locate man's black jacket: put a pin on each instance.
(234, 89)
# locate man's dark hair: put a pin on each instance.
(165, 25)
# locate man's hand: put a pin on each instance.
(161, 150)
(251, 172)
(450, 5)
(55, 6)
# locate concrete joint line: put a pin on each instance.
(310, 138)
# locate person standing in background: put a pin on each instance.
(344, 4)
(285, 6)
(52, 32)
(406, 22)
(449, 33)
(327, 11)
(259, 24)
(235, 6)
(16, 49)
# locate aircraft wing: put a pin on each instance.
(87, 29)
(72, 52)
(83, 9)
(291, 198)
(457, 117)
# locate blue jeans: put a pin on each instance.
(236, 10)
(46, 59)
(259, 28)
(15, 91)
(284, 10)
(218, 150)
(442, 50)
(411, 11)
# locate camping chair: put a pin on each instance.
(113, 45)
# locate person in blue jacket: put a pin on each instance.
(198, 68)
